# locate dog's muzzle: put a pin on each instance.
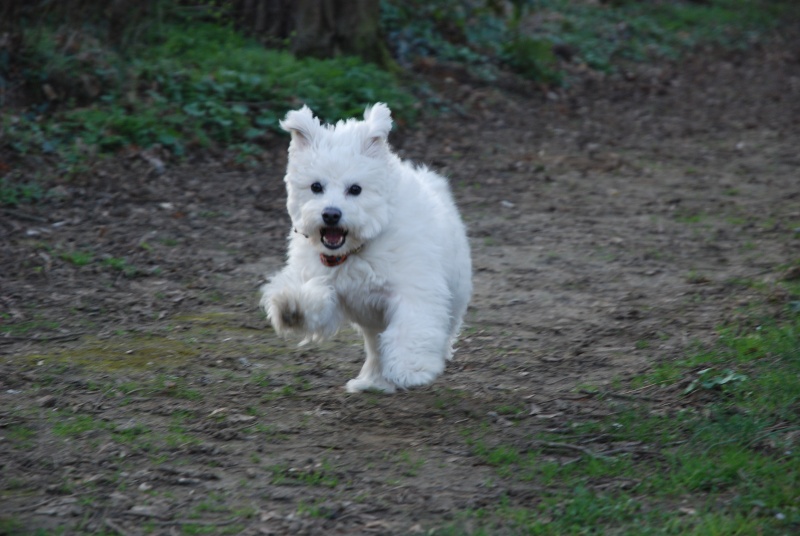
(332, 235)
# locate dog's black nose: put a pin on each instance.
(331, 216)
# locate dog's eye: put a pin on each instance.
(316, 188)
(354, 189)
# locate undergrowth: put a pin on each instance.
(539, 39)
(720, 456)
(189, 87)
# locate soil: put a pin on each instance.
(614, 224)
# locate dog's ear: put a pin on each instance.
(302, 125)
(379, 122)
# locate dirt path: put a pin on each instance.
(612, 226)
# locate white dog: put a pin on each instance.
(376, 242)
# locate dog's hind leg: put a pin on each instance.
(370, 376)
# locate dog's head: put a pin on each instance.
(340, 178)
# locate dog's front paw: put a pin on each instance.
(358, 385)
(285, 313)
(291, 316)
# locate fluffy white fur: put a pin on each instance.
(406, 280)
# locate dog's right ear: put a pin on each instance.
(302, 125)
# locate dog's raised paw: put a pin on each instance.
(288, 312)
(291, 318)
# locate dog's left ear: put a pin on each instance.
(379, 122)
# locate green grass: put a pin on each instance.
(28, 327)
(81, 258)
(78, 258)
(67, 424)
(21, 436)
(176, 388)
(121, 265)
(724, 451)
(131, 434)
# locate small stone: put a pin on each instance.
(46, 401)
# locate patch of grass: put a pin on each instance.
(448, 398)
(726, 449)
(131, 434)
(197, 528)
(84, 258)
(136, 351)
(176, 387)
(68, 424)
(165, 347)
(270, 432)
(510, 410)
(213, 503)
(121, 265)
(696, 278)
(77, 258)
(410, 464)
(13, 526)
(261, 378)
(289, 390)
(13, 193)
(27, 327)
(21, 436)
(690, 217)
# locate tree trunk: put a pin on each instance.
(318, 28)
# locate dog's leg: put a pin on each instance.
(415, 346)
(305, 307)
(370, 376)
(456, 321)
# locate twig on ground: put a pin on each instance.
(643, 387)
(198, 522)
(569, 446)
(29, 507)
(66, 337)
(110, 523)
(623, 396)
(25, 216)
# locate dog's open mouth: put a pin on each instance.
(333, 237)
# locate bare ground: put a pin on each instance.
(612, 225)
